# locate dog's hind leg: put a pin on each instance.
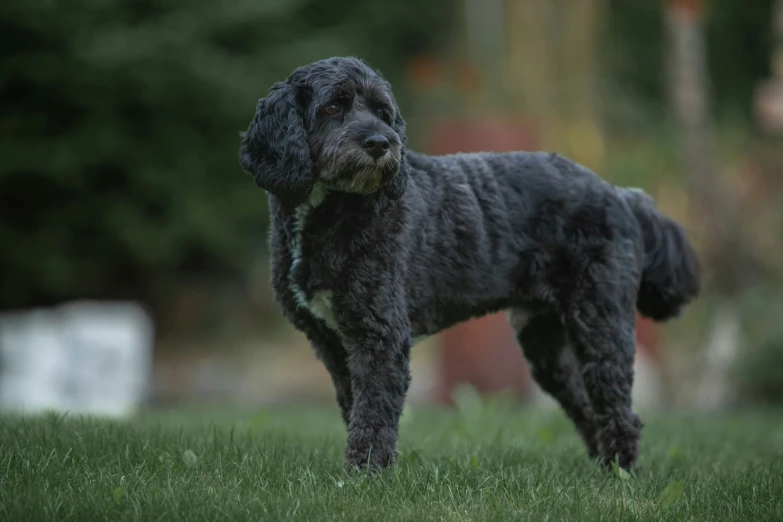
(602, 333)
(544, 342)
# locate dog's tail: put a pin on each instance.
(670, 277)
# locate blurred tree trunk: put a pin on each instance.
(716, 209)
(729, 264)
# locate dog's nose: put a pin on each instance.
(376, 145)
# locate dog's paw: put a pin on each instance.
(371, 460)
(618, 440)
(371, 450)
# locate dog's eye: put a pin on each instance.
(382, 114)
(331, 109)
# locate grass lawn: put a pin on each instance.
(478, 463)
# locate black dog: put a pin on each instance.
(374, 245)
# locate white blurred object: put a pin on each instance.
(82, 357)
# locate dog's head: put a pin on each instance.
(333, 122)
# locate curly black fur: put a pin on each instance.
(372, 250)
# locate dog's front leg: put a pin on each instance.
(378, 366)
(332, 354)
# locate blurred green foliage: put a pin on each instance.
(120, 125)
(758, 369)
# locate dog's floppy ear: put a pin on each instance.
(275, 149)
(396, 186)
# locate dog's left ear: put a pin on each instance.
(396, 187)
(275, 150)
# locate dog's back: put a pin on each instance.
(493, 231)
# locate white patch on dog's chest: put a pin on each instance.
(321, 303)
(321, 307)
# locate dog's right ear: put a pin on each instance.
(275, 150)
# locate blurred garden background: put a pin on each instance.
(119, 179)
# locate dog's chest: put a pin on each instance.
(307, 274)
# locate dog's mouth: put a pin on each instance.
(358, 173)
(366, 181)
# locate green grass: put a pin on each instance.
(479, 463)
